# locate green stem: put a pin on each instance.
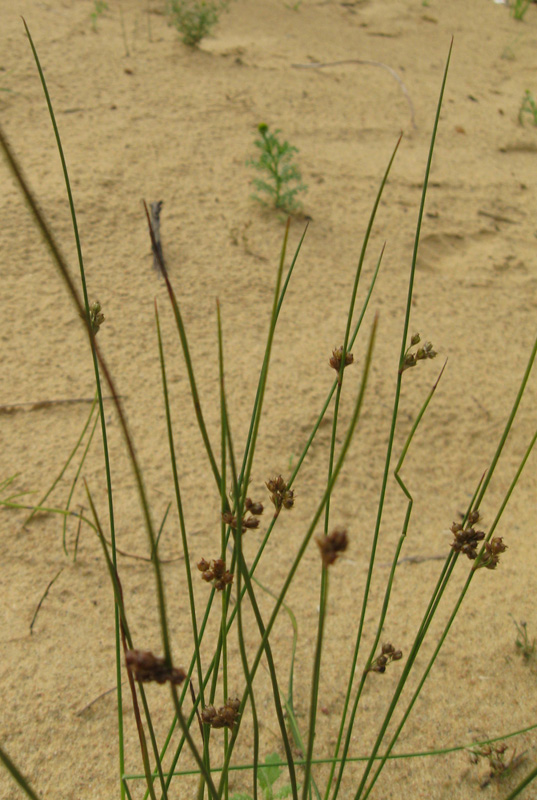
(315, 682)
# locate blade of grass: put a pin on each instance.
(64, 272)
(85, 312)
(51, 583)
(326, 494)
(180, 512)
(238, 547)
(395, 410)
(324, 572)
(64, 468)
(215, 659)
(385, 602)
(127, 644)
(242, 568)
(456, 608)
(357, 759)
(17, 775)
(75, 481)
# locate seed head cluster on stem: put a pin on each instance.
(255, 509)
(333, 545)
(215, 572)
(387, 655)
(148, 668)
(280, 495)
(335, 360)
(224, 717)
(421, 354)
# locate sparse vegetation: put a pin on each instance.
(99, 7)
(195, 19)
(528, 107)
(518, 8)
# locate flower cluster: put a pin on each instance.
(224, 717)
(421, 354)
(332, 545)
(280, 494)
(491, 555)
(497, 763)
(96, 317)
(388, 654)
(147, 668)
(255, 509)
(337, 355)
(216, 573)
(466, 539)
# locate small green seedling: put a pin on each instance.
(519, 8)
(528, 106)
(99, 7)
(283, 179)
(195, 19)
(522, 641)
(267, 776)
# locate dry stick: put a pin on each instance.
(34, 405)
(366, 62)
(156, 246)
(43, 598)
(95, 699)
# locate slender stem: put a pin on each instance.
(85, 311)
(17, 775)
(357, 759)
(315, 683)
(320, 508)
(395, 412)
(180, 512)
(454, 612)
(75, 481)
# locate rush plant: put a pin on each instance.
(206, 717)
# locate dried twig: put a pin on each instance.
(366, 62)
(156, 244)
(43, 598)
(95, 699)
(34, 405)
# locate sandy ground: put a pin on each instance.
(143, 116)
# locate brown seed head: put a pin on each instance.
(148, 668)
(335, 360)
(332, 545)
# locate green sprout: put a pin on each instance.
(100, 6)
(267, 776)
(522, 641)
(283, 178)
(195, 19)
(528, 106)
(519, 8)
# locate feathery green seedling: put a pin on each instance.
(518, 8)
(529, 107)
(99, 7)
(283, 178)
(195, 19)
